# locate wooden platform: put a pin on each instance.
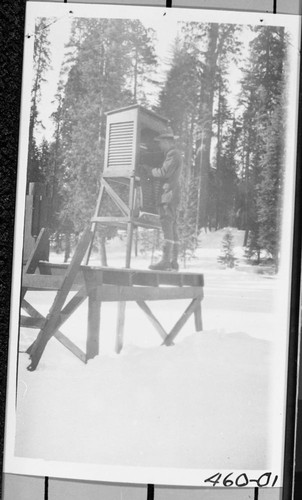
(126, 277)
(101, 284)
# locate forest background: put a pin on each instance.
(231, 130)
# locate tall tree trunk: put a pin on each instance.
(206, 119)
(218, 214)
(67, 247)
(135, 76)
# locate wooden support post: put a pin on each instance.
(198, 316)
(122, 305)
(94, 319)
(129, 244)
(130, 223)
(121, 309)
(93, 225)
(38, 253)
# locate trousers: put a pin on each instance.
(168, 220)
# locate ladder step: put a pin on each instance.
(110, 220)
(152, 223)
(147, 225)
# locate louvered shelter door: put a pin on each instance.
(120, 161)
(119, 166)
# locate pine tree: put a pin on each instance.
(106, 65)
(96, 83)
(270, 190)
(140, 46)
(227, 256)
(41, 63)
(55, 166)
(226, 166)
(201, 57)
(262, 140)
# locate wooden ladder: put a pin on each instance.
(128, 219)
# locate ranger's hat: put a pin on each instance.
(167, 135)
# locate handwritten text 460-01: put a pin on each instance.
(267, 479)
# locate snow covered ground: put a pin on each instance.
(204, 403)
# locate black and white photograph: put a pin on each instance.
(152, 270)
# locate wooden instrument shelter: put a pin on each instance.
(130, 134)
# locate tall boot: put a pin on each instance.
(165, 263)
(174, 262)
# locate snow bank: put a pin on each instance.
(202, 403)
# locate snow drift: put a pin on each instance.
(202, 403)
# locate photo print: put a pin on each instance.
(153, 245)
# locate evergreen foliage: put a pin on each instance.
(233, 151)
(270, 189)
(99, 80)
(41, 64)
(227, 257)
(263, 141)
(194, 98)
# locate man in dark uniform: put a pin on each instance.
(169, 173)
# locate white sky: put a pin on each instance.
(164, 25)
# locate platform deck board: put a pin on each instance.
(125, 277)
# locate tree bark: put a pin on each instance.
(206, 119)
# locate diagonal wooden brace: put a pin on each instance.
(70, 307)
(116, 198)
(157, 325)
(53, 318)
(192, 307)
(57, 335)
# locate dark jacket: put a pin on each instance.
(170, 172)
